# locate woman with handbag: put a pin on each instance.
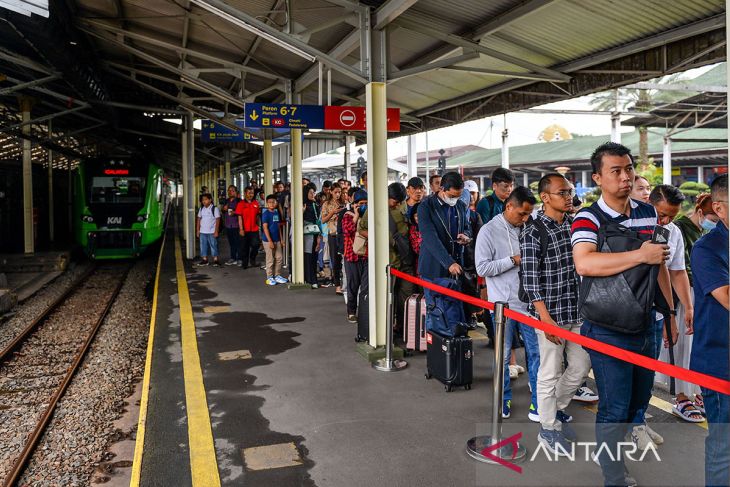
(312, 232)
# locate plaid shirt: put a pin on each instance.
(555, 281)
(348, 233)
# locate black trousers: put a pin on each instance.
(335, 260)
(250, 243)
(234, 242)
(310, 263)
(357, 282)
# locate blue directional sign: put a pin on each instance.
(275, 116)
(215, 132)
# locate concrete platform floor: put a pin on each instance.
(280, 368)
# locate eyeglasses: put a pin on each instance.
(566, 193)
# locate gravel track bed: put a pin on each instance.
(29, 379)
(34, 306)
(81, 429)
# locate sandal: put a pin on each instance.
(700, 403)
(687, 411)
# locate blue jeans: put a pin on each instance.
(208, 245)
(717, 443)
(532, 353)
(640, 416)
(623, 389)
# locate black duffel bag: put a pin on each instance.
(622, 302)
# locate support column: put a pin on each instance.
(482, 188)
(189, 190)
(51, 206)
(412, 157)
(584, 178)
(525, 180)
(297, 203)
(505, 148)
(28, 237)
(616, 127)
(667, 161)
(227, 156)
(268, 166)
(378, 245)
(700, 174)
(427, 181)
(349, 140)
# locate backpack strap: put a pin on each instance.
(544, 238)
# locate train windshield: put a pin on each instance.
(117, 189)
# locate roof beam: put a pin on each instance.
(179, 49)
(646, 85)
(467, 44)
(29, 84)
(390, 11)
(286, 41)
(506, 74)
(444, 63)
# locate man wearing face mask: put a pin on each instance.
(444, 232)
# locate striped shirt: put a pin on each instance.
(642, 219)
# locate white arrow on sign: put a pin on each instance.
(347, 118)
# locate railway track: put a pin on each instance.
(39, 364)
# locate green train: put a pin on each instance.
(120, 204)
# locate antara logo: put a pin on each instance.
(114, 220)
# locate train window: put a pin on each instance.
(127, 189)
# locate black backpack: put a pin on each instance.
(340, 233)
(544, 242)
(622, 302)
(402, 243)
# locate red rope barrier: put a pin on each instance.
(704, 380)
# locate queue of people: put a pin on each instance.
(625, 271)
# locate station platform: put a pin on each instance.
(251, 385)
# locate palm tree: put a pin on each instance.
(624, 99)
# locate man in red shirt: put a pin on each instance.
(356, 266)
(248, 212)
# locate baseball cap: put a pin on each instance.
(471, 186)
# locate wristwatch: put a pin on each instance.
(514, 262)
(673, 312)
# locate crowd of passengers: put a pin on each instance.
(534, 253)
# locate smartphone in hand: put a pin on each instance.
(661, 235)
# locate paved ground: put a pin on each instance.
(307, 404)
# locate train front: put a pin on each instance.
(118, 209)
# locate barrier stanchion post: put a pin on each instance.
(476, 447)
(387, 364)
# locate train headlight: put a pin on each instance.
(87, 219)
(141, 218)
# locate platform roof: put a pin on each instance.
(446, 62)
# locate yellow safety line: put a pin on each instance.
(141, 425)
(203, 463)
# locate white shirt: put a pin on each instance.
(208, 216)
(676, 253)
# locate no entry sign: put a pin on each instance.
(353, 118)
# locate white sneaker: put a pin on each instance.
(585, 394)
(281, 279)
(513, 372)
(641, 437)
(520, 369)
(230, 262)
(655, 437)
(271, 281)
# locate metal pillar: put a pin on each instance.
(227, 156)
(482, 188)
(297, 203)
(525, 180)
(268, 166)
(412, 157)
(616, 127)
(28, 237)
(700, 174)
(505, 146)
(349, 140)
(427, 182)
(584, 178)
(667, 161)
(51, 206)
(188, 186)
(378, 231)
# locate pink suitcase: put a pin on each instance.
(414, 315)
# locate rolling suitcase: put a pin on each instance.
(414, 316)
(363, 318)
(449, 359)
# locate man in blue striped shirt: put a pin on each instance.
(622, 387)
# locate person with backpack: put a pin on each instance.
(498, 260)
(503, 181)
(402, 257)
(470, 196)
(330, 215)
(249, 214)
(206, 228)
(444, 233)
(612, 247)
(356, 264)
(550, 288)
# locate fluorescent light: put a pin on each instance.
(236, 21)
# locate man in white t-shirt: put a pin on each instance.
(207, 226)
(667, 201)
